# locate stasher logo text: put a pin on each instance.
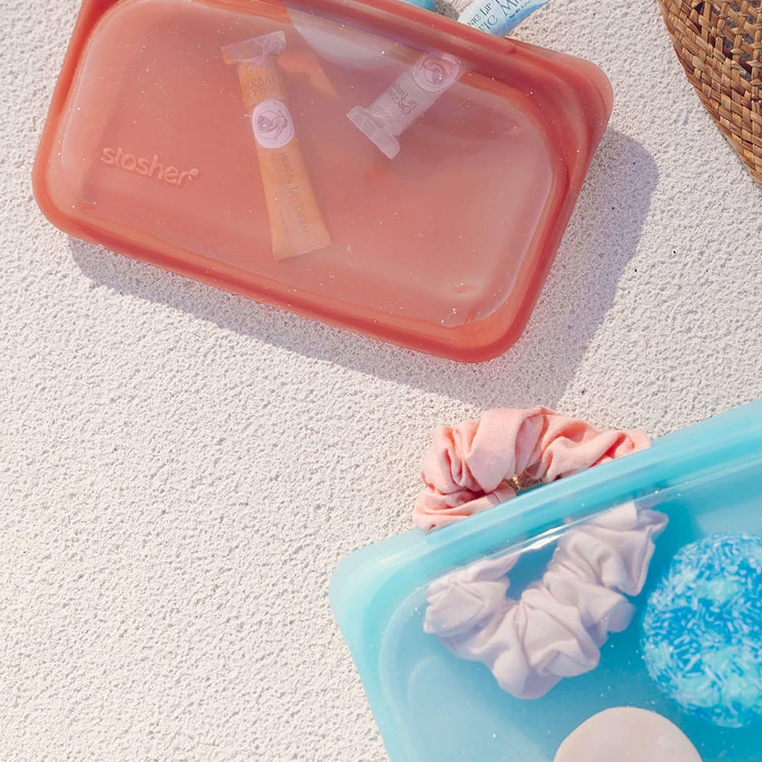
(152, 168)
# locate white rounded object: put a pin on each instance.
(627, 734)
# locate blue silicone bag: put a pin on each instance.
(431, 706)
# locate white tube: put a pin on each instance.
(410, 95)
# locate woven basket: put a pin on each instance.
(720, 47)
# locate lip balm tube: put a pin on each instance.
(411, 95)
(498, 17)
(296, 225)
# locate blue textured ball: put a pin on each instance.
(702, 630)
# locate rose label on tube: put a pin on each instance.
(272, 124)
(296, 225)
(499, 17)
(405, 101)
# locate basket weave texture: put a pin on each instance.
(720, 47)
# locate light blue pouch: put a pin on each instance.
(664, 661)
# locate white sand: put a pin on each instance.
(182, 470)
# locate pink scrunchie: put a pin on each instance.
(466, 468)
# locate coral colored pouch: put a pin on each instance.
(368, 164)
(613, 614)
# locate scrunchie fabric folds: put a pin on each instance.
(468, 467)
(557, 626)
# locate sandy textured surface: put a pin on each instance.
(182, 470)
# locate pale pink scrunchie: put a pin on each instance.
(558, 625)
(466, 469)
